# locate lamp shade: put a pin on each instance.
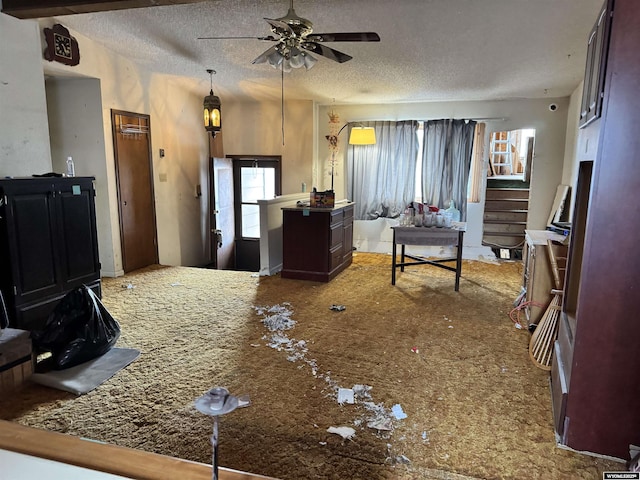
(362, 136)
(212, 116)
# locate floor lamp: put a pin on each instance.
(359, 135)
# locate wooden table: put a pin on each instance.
(430, 236)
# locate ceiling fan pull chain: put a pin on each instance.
(282, 96)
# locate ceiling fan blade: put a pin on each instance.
(344, 37)
(265, 55)
(269, 38)
(279, 27)
(327, 52)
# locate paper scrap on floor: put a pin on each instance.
(345, 432)
(345, 395)
(397, 412)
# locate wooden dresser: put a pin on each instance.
(317, 243)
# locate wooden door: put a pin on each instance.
(134, 177)
(222, 214)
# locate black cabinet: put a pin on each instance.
(48, 244)
(595, 71)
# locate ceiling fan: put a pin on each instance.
(294, 39)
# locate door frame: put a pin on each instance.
(240, 161)
(151, 183)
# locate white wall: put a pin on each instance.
(252, 128)
(271, 230)
(175, 126)
(76, 129)
(24, 131)
(510, 114)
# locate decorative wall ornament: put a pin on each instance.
(61, 46)
(334, 148)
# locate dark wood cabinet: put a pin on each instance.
(317, 242)
(48, 244)
(595, 71)
(594, 377)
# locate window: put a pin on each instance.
(475, 177)
(428, 162)
(257, 183)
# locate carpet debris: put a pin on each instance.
(346, 395)
(345, 432)
(277, 317)
(337, 308)
(402, 459)
(379, 418)
(397, 412)
(361, 392)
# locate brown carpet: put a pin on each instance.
(476, 406)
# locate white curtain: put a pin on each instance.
(381, 177)
(446, 160)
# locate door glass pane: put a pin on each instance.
(257, 183)
(250, 221)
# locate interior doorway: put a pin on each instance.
(254, 178)
(511, 154)
(134, 180)
(506, 208)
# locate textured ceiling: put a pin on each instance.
(430, 50)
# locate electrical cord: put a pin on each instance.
(514, 314)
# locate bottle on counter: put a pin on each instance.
(71, 169)
(453, 212)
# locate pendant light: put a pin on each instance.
(212, 117)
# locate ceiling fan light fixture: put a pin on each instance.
(309, 60)
(275, 59)
(296, 58)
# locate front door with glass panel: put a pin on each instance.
(254, 178)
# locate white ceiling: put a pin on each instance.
(430, 50)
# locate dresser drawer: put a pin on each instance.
(336, 234)
(335, 257)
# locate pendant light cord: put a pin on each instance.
(282, 99)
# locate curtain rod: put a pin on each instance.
(489, 119)
(479, 119)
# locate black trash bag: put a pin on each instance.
(78, 330)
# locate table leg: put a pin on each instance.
(459, 259)
(402, 258)
(393, 260)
